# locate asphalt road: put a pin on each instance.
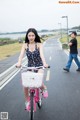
(63, 102)
(8, 62)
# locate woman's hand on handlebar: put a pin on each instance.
(46, 66)
(18, 65)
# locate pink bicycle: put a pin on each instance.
(33, 80)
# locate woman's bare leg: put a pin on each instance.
(43, 86)
(26, 93)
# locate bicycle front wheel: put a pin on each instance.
(31, 106)
(39, 103)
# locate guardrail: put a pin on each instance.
(10, 72)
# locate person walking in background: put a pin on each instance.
(73, 53)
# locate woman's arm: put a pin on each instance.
(21, 55)
(42, 55)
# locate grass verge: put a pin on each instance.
(10, 49)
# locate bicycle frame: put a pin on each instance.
(35, 92)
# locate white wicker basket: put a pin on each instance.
(31, 79)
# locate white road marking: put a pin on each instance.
(59, 43)
(9, 80)
(48, 75)
(10, 77)
(50, 58)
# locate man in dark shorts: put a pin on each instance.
(73, 53)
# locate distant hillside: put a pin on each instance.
(76, 27)
(13, 33)
(22, 32)
(44, 30)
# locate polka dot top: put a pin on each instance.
(34, 59)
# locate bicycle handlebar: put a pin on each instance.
(48, 67)
(33, 67)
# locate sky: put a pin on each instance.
(19, 15)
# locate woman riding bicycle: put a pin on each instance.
(34, 51)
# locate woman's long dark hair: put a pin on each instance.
(37, 38)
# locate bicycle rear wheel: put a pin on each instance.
(31, 106)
